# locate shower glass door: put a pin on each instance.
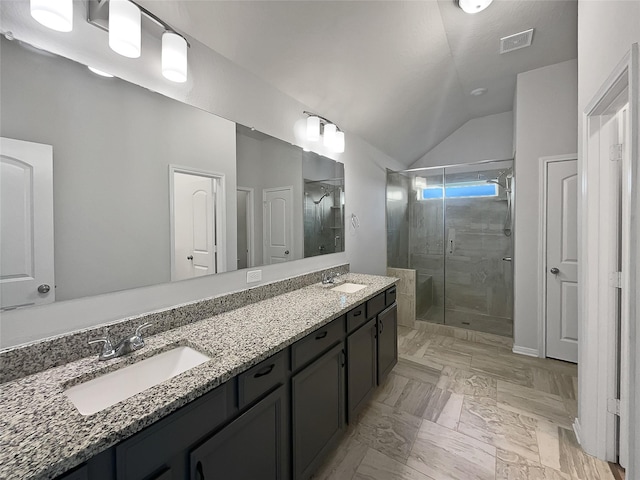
(426, 244)
(478, 281)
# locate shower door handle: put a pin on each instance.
(506, 259)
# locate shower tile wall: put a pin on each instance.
(323, 232)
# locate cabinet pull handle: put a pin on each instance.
(199, 471)
(381, 327)
(392, 291)
(358, 313)
(342, 358)
(264, 371)
(321, 335)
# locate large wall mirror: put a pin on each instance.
(145, 189)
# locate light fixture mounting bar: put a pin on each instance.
(98, 15)
(323, 120)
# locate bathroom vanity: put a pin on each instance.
(285, 377)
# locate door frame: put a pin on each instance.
(595, 426)
(220, 212)
(264, 225)
(250, 224)
(542, 246)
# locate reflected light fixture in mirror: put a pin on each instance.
(473, 6)
(125, 31)
(97, 71)
(54, 14)
(329, 139)
(332, 136)
(174, 57)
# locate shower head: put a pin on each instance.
(497, 182)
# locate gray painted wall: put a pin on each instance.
(547, 124)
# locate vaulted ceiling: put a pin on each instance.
(397, 73)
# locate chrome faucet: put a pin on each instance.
(124, 346)
(329, 277)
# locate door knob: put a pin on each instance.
(44, 288)
(190, 257)
(555, 270)
(286, 252)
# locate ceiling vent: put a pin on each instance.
(516, 41)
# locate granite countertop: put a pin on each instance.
(42, 434)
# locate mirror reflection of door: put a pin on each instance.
(26, 236)
(278, 221)
(245, 228)
(194, 210)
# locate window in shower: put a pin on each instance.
(467, 190)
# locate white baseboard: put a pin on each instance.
(577, 429)
(529, 352)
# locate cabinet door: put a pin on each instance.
(252, 447)
(387, 341)
(318, 404)
(361, 367)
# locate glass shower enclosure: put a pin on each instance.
(452, 226)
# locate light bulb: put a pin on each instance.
(54, 14)
(313, 129)
(174, 57)
(473, 6)
(339, 142)
(124, 28)
(330, 135)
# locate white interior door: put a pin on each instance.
(26, 213)
(194, 220)
(278, 224)
(562, 260)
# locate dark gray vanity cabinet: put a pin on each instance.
(160, 451)
(387, 341)
(254, 446)
(318, 410)
(362, 360)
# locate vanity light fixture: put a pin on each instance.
(122, 19)
(332, 136)
(54, 14)
(174, 57)
(473, 6)
(125, 32)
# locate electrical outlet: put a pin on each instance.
(254, 276)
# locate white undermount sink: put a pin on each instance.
(348, 287)
(99, 393)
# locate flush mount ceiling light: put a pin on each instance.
(54, 14)
(332, 136)
(478, 91)
(473, 6)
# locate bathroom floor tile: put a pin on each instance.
(389, 392)
(442, 453)
(377, 466)
(387, 430)
(511, 466)
(533, 403)
(575, 462)
(413, 369)
(482, 419)
(343, 462)
(467, 383)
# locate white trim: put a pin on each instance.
(220, 214)
(542, 246)
(529, 352)
(597, 340)
(251, 225)
(577, 429)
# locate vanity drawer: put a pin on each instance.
(356, 317)
(390, 295)
(316, 343)
(376, 305)
(262, 378)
